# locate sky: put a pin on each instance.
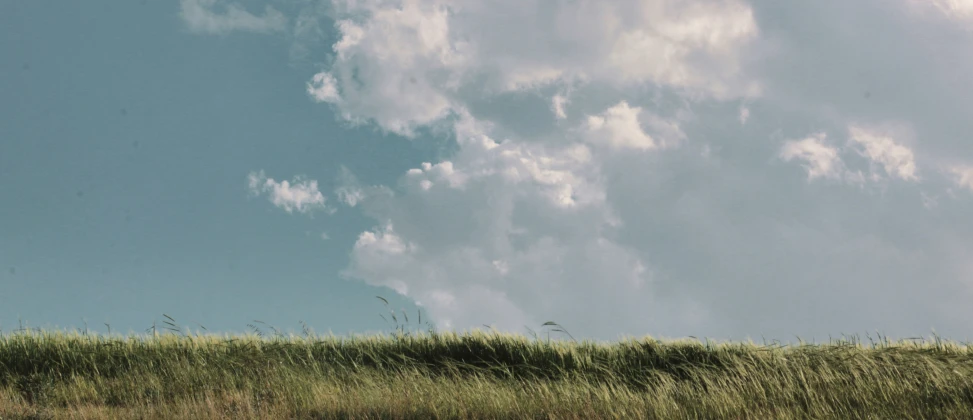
(726, 169)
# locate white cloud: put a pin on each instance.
(502, 267)
(820, 159)
(954, 9)
(562, 176)
(620, 127)
(408, 63)
(823, 160)
(962, 176)
(566, 223)
(300, 195)
(350, 195)
(201, 17)
(929, 202)
(744, 114)
(507, 234)
(715, 27)
(351, 192)
(896, 159)
(384, 243)
(557, 105)
(323, 89)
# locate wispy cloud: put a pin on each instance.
(897, 160)
(955, 9)
(962, 175)
(201, 16)
(744, 114)
(351, 192)
(823, 160)
(557, 105)
(820, 159)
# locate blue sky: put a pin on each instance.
(721, 169)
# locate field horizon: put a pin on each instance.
(171, 373)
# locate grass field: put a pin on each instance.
(474, 375)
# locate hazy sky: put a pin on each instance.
(724, 169)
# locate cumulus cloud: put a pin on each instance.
(405, 64)
(598, 221)
(300, 195)
(620, 128)
(563, 176)
(201, 16)
(521, 230)
(507, 234)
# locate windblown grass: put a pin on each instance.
(474, 375)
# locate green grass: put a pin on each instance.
(473, 375)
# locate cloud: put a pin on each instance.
(597, 220)
(928, 201)
(896, 159)
(619, 127)
(407, 64)
(310, 29)
(823, 160)
(200, 17)
(350, 191)
(300, 195)
(557, 105)
(953, 9)
(322, 88)
(962, 176)
(508, 234)
(820, 160)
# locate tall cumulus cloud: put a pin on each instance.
(711, 168)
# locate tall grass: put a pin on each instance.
(478, 374)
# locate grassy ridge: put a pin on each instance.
(475, 375)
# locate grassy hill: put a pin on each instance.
(474, 375)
